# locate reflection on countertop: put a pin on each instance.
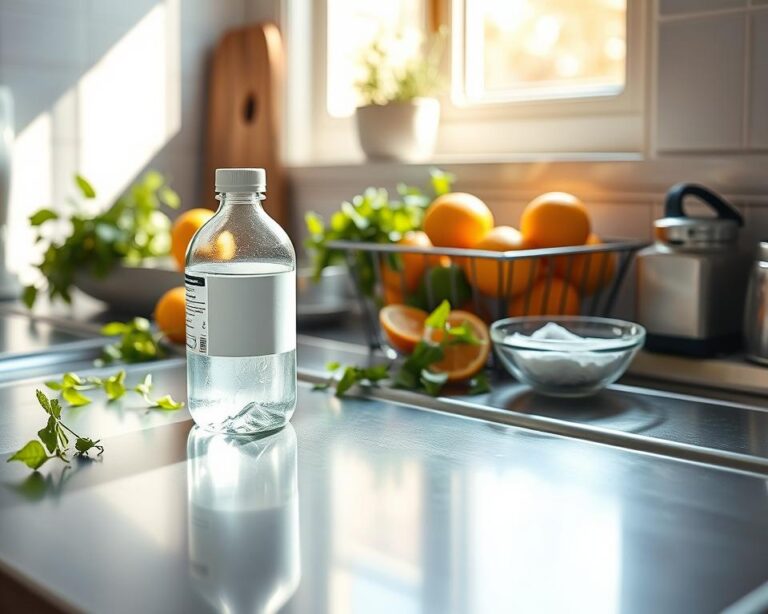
(243, 519)
(400, 510)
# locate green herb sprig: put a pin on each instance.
(372, 217)
(72, 386)
(137, 342)
(414, 372)
(53, 439)
(132, 229)
(419, 76)
(351, 375)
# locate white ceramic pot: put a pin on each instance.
(404, 131)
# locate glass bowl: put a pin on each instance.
(556, 362)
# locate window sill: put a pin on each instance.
(472, 160)
(605, 177)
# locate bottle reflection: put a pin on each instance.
(243, 519)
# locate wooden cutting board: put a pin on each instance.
(245, 108)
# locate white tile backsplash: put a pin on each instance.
(39, 90)
(621, 220)
(47, 7)
(122, 11)
(701, 83)
(108, 88)
(38, 38)
(755, 226)
(758, 126)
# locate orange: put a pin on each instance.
(555, 219)
(403, 326)
(413, 265)
(221, 247)
(589, 272)
(170, 314)
(484, 273)
(457, 220)
(461, 361)
(184, 228)
(559, 299)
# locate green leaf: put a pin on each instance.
(111, 353)
(145, 386)
(45, 403)
(114, 386)
(348, 379)
(432, 382)
(42, 216)
(84, 444)
(375, 373)
(53, 385)
(424, 355)
(62, 435)
(321, 386)
(85, 187)
(140, 324)
(442, 182)
(32, 455)
(314, 223)
(409, 374)
(479, 384)
(462, 334)
(55, 408)
(152, 181)
(71, 379)
(169, 197)
(439, 317)
(113, 329)
(332, 366)
(48, 435)
(136, 344)
(167, 402)
(74, 397)
(406, 379)
(29, 296)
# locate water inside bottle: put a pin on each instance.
(243, 394)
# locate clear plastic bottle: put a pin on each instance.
(241, 313)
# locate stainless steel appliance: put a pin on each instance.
(756, 308)
(692, 281)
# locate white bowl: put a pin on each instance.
(132, 290)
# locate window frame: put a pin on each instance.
(612, 124)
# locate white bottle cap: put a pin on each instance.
(241, 180)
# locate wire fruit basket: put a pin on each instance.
(578, 280)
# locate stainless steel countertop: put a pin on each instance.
(639, 418)
(375, 507)
(378, 506)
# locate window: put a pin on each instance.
(521, 76)
(536, 49)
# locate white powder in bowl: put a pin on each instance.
(558, 357)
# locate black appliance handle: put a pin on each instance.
(673, 206)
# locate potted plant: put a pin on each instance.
(399, 117)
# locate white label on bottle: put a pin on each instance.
(241, 315)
